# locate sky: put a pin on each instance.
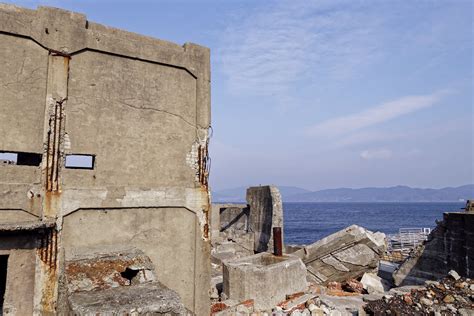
(324, 94)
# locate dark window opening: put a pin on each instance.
(3, 279)
(80, 162)
(20, 158)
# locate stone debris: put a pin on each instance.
(372, 283)
(454, 275)
(352, 285)
(346, 254)
(445, 297)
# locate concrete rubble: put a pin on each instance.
(306, 279)
(446, 296)
(344, 255)
(337, 275)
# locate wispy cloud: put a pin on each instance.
(375, 115)
(294, 41)
(381, 153)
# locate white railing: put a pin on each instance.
(406, 239)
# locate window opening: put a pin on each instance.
(20, 158)
(80, 161)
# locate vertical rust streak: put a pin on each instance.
(58, 149)
(46, 247)
(55, 248)
(55, 148)
(41, 248)
(52, 149)
(48, 154)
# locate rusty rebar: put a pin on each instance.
(277, 242)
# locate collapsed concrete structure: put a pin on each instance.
(346, 254)
(247, 277)
(450, 246)
(243, 229)
(109, 186)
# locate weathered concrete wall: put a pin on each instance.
(266, 212)
(450, 247)
(141, 108)
(230, 219)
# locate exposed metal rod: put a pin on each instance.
(277, 242)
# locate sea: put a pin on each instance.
(305, 223)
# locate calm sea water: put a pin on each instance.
(308, 222)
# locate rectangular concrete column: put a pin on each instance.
(46, 287)
(266, 212)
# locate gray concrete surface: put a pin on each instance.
(138, 105)
(143, 299)
(265, 278)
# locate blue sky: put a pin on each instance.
(324, 94)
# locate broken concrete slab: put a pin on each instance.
(143, 299)
(265, 278)
(99, 271)
(346, 254)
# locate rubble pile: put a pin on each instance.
(339, 275)
(451, 295)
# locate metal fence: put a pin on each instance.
(400, 245)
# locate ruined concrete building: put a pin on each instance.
(108, 189)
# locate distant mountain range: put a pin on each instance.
(390, 194)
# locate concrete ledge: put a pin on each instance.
(143, 299)
(27, 226)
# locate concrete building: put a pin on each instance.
(110, 134)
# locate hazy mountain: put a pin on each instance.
(390, 194)
(238, 194)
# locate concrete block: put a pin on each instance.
(265, 278)
(266, 212)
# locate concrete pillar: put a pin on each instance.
(266, 212)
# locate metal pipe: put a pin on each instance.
(277, 242)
